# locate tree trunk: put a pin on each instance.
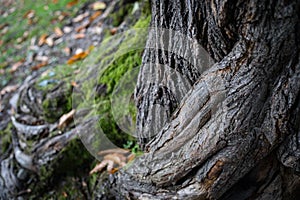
(231, 129)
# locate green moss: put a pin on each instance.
(59, 177)
(5, 136)
(55, 104)
(17, 23)
(117, 56)
(120, 13)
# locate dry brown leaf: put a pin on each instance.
(82, 27)
(9, 89)
(95, 15)
(72, 3)
(114, 170)
(109, 151)
(113, 31)
(99, 167)
(42, 39)
(99, 5)
(29, 14)
(16, 66)
(74, 84)
(55, 1)
(40, 65)
(80, 17)
(131, 157)
(79, 36)
(66, 119)
(77, 57)
(65, 194)
(116, 158)
(58, 32)
(111, 159)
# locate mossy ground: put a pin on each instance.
(63, 179)
(5, 136)
(112, 62)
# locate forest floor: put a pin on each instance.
(35, 38)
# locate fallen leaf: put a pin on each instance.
(114, 170)
(109, 151)
(130, 157)
(82, 27)
(58, 32)
(65, 194)
(77, 57)
(29, 14)
(74, 84)
(49, 41)
(113, 31)
(15, 66)
(80, 17)
(95, 15)
(38, 66)
(54, 1)
(42, 39)
(66, 119)
(112, 160)
(79, 36)
(72, 3)
(116, 158)
(102, 165)
(99, 6)
(9, 89)
(42, 58)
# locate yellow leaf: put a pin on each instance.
(77, 57)
(42, 39)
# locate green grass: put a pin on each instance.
(46, 14)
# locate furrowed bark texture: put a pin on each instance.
(235, 133)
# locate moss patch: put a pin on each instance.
(55, 179)
(5, 136)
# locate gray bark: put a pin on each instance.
(235, 135)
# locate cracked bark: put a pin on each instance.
(235, 134)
